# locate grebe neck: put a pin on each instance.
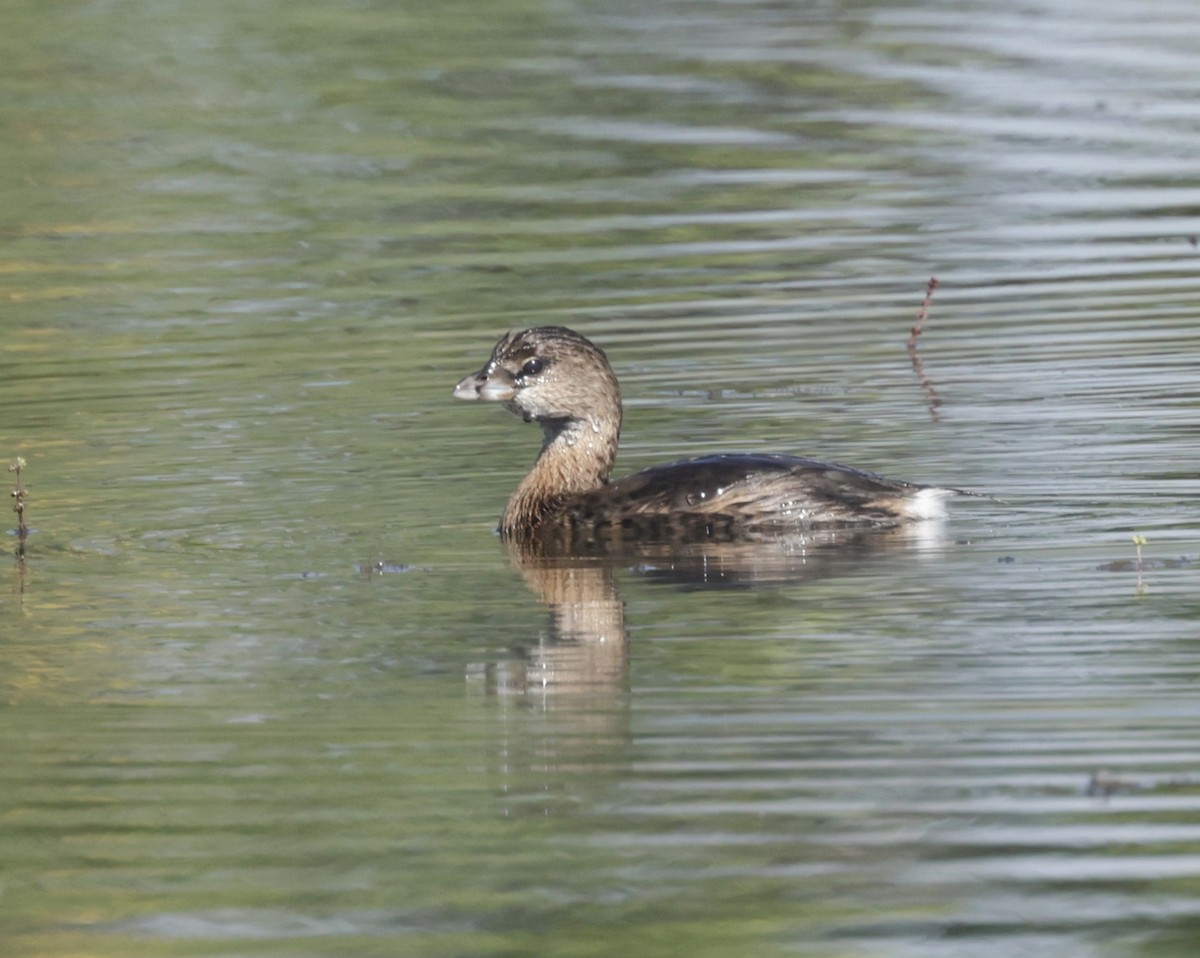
(577, 457)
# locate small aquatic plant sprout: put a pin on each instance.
(561, 380)
(1138, 542)
(19, 494)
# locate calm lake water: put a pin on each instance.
(271, 684)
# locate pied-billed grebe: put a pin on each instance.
(560, 379)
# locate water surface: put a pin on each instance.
(249, 249)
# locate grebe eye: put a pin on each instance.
(533, 367)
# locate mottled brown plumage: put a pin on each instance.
(554, 376)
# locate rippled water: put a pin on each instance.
(272, 685)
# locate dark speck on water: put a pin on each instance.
(1133, 565)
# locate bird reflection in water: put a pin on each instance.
(561, 713)
(586, 647)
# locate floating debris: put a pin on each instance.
(386, 568)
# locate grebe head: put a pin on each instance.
(549, 374)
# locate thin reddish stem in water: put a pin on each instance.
(918, 364)
(923, 312)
